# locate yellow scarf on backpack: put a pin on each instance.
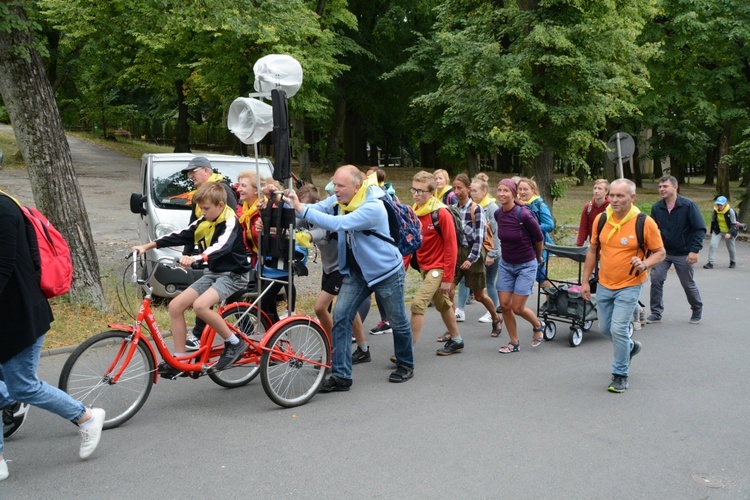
(430, 206)
(217, 178)
(360, 196)
(204, 233)
(616, 226)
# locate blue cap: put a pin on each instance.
(721, 200)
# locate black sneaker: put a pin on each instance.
(14, 415)
(381, 328)
(335, 384)
(450, 347)
(192, 343)
(402, 374)
(635, 350)
(232, 352)
(360, 356)
(708, 266)
(619, 384)
(732, 265)
(166, 371)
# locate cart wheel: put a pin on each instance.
(550, 329)
(631, 329)
(587, 325)
(576, 337)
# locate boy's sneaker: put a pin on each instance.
(232, 352)
(335, 384)
(653, 319)
(708, 266)
(192, 343)
(360, 356)
(92, 433)
(450, 347)
(381, 328)
(14, 415)
(487, 318)
(402, 374)
(460, 315)
(166, 371)
(732, 265)
(696, 318)
(619, 384)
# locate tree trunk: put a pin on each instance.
(472, 162)
(333, 149)
(709, 168)
(722, 172)
(543, 168)
(677, 170)
(301, 148)
(31, 105)
(635, 163)
(182, 135)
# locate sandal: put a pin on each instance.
(444, 337)
(538, 340)
(497, 327)
(511, 347)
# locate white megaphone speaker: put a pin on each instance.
(278, 71)
(250, 119)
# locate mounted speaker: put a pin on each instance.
(278, 71)
(250, 119)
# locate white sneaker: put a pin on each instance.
(4, 470)
(460, 315)
(637, 325)
(92, 433)
(487, 318)
(192, 343)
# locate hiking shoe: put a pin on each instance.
(360, 356)
(696, 318)
(653, 319)
(450, 347)
(460, 315)
(192, 343)
(232, 352)
(92, 433)
(402, 374)
(14, 415)
(335, 384)
(381, 328)
(166, 371)
(635, 350)
(710, 266)
(732, 265)
(487, 318)
(619, 384)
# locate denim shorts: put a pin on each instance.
(517, 278)
(225, 284)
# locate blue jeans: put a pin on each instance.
(614, 309)
(19, 382)
(463, 292)
(390, 294)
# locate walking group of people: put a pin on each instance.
(490, 246)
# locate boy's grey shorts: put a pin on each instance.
(225, 284)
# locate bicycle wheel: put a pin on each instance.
(86, 376)
(293, 367)
(248, 320)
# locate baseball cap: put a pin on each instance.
(197, 162)
(721, 200)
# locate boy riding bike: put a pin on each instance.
(218, 233)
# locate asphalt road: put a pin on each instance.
(535, 424)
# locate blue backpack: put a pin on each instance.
(403, 225)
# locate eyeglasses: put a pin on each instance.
(418, 192)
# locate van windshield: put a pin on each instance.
(173, 189)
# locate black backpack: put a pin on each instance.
(640, 221)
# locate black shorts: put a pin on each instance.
(331, 282)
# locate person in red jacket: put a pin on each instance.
(597, 205)
(437, 262)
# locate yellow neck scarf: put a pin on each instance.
(486, 201)
(439, 193)
(533, 198)
(248, 211)
(359, 196)
(616, 226)
(430, 206)
(214, 178)
(205, 231)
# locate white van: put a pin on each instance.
(164, 207)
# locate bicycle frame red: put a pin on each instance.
(285, 356)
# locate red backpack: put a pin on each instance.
(50, 253)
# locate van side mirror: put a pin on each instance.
(137, 201)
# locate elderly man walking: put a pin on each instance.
(623, 268)
(682, 230)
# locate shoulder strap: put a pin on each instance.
(436, 221)
(518, 218)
